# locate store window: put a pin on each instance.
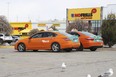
(24, 34)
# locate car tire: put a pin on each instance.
(1, 41)
(55, 47)
(9, 42)
(21, 47)
(93, 49)
(68, 49)
(80, 48)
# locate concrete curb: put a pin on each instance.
(6, 46)
(107, 49)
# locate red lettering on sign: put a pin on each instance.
(94, 10)
(26, 25)
(77, 15)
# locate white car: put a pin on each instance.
(5, 38)
(15, 38)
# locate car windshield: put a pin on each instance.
(74, 38)
(7, 35)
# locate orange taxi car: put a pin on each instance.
(88, 40)
(54, 41)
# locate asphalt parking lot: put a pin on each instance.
(48, 64)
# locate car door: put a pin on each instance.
(47, 40)
(35, 41)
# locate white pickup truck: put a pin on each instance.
(5, 38)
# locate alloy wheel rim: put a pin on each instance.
(21, 47)
(55, 47)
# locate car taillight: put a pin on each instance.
(66, 39)
(90, 39)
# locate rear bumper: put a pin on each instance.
(95, 47)
(94, 44)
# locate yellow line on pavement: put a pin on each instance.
(6, 46)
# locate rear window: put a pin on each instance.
(73, 38)
(7, 35)
(66, 34)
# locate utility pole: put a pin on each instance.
(8, 3)
(17, 18)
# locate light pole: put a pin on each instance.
(8, 3)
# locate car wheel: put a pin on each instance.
(80, 48)
(55, 47)
(68, 50)
(93, 49)
(9, 42)
(1, 41)
(21, 47)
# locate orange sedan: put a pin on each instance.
(54, 41)
(88, 40)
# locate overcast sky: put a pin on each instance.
(36, 10)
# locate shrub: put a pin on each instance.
(6, 27)
(80, 25)
(108, 30)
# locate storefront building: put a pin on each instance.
(93, 15)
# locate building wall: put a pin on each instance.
(44, 25)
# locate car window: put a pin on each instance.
(38, 35)
(74, 33)
(1, 35)
(49, 34)
(7, 35)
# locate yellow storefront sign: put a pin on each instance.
(55, 24)
(41, 24)
(84, 13)
(19, 26)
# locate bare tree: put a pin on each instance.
(5, 26)
(54, 28)
(33, 31)
(89, 26)
(79, 25)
